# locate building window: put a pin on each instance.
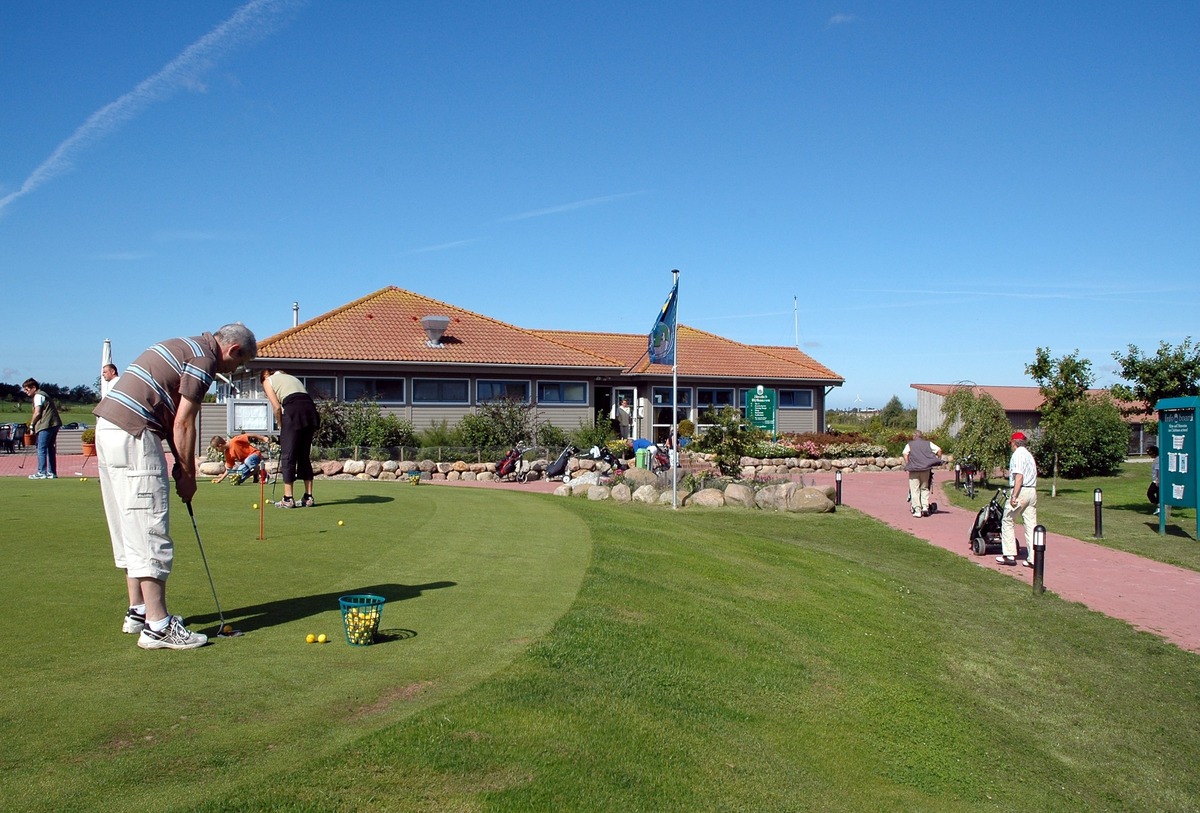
(562, 392)
(660, 406)
(383, 390)
(715, 399)
(320, 388)
(440, 391)
(501, 391)
(795, 399)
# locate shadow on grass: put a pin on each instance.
(284, 611)
(361, 499)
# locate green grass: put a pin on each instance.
(563, 654)
(1127, 519)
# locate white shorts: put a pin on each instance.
(136, 492)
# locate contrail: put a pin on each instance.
(250, 23)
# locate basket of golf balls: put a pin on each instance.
(360, 616)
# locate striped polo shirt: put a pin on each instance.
(147, 394)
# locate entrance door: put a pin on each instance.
(624, 412)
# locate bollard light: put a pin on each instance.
(1099, 500)
(1039, 559)
(837, 476)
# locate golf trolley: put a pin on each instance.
(986, 529)
(512, 468)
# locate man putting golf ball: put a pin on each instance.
(158, 399)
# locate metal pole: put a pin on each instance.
(1039, 559)
(838, 479)
(1099, 501)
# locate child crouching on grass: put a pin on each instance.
(241, 457)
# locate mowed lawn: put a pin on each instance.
(548, 653)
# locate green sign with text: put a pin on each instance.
(760, 408)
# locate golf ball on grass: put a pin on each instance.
(321, 638)
(255, 506)
(340, 523)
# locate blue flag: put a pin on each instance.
(662, 337)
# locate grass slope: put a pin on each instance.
(710, 661)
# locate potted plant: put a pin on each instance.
(87, 440)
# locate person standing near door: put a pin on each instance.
(622, 418)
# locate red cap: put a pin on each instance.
(1018, 436)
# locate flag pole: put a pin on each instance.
(675, 397)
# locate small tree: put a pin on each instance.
(1173, 372)
(985, 429)
(1064, 384)
(1095, 440)
(729, 438)
(498, 424)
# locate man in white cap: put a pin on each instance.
(1022, 500)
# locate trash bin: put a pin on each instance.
(640, 458)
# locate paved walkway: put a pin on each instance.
(1158, 598)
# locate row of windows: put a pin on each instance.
(457, 391)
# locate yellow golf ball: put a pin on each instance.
(227, 629)
(340, 522)
(321, 638)
(255, 506)
(310, 638)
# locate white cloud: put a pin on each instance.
(250, 23)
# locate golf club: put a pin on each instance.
(83, 465)
(221, 633)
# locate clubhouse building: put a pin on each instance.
(428, 361)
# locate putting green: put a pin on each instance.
(471, 577)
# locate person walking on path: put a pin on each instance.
(1022, 501)
(298, 421)
(920, 458)
(44, 424)
(158, 398)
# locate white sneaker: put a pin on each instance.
(175, 636)
(135, 622)
(38, 476)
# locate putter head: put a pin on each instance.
(228, 632)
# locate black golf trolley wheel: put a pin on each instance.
(979, 545)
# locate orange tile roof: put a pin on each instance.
(1023, 399)
(702, 354)
(386, 326)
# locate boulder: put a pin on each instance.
(331, 468)
(739, 495)
(374, 468)
(599, 493)
(211, 468)
(391, 465)
(809, 501)
(640, 477)
(621, 493)
(388, 475)
(562, 491)
(646, 494)
(708, 498)
(426, 465)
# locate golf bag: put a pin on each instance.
(559, 467)
(986, 530)
(659, 458)
(602, 453)
(510, 467)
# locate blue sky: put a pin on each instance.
(941, 188)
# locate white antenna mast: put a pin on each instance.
(796, 319)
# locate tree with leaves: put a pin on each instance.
(1064, 384)
(1172, 372)
(984, 428)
